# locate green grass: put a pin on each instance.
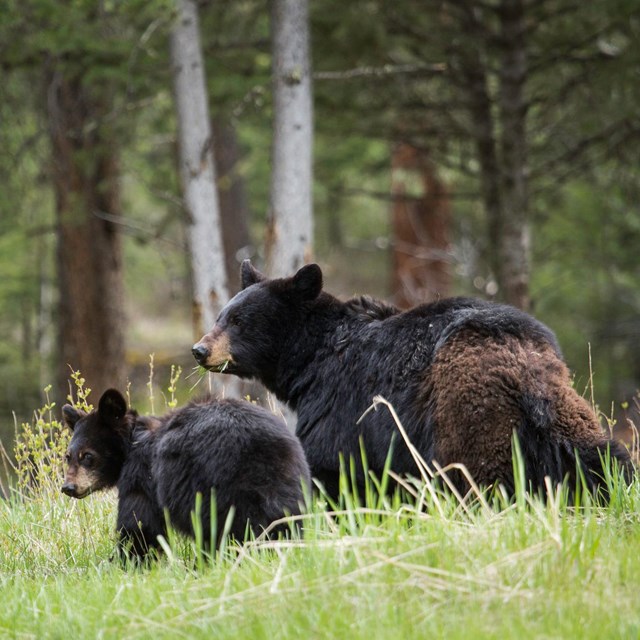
(531, 567)
(535, 571)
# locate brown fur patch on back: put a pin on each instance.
(476, 385)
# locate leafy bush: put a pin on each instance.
(40, 446)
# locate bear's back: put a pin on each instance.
(223, 437)
(240, 452)
(390, 354)
(438, 321)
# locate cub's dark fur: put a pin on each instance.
(463, 374)
(240, 451)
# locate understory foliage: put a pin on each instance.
(40, 445)
(422, 560)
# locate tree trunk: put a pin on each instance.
(515, 243)
(421, 220)
(499, 132)
(232, 197)
(197, 170)
(290, 228)
(89, 256)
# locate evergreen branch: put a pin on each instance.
(379, 72)
(570, 156)
(388, 196)
(140, 232)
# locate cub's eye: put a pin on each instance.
(235, 321)
(87, 458)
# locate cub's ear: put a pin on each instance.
(71, 415)
(249, 274)
(308, 282)
(112, 406)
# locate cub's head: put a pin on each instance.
(250, 331)
(98, 446)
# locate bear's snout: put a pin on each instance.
(200, 353)
(70, 489)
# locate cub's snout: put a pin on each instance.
(70, 489)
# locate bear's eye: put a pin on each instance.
(67, 458)
(87, 458)
(235, 321)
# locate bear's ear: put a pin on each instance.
(71, 415)
(249, 274)
(308, 282)
(112, 407)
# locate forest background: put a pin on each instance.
(486, 148)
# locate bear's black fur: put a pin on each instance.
(462, 374)
(241, 452)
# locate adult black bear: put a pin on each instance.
(241, 452)
(462, 374)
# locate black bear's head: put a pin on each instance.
(98, 446)
(248, 336)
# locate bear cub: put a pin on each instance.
(241, 453)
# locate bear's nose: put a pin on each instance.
(200, 353)
(69, 488)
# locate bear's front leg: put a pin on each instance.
(139, 525)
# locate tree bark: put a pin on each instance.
(197, 169)
(421, 221)
(476, 83)
(498, 121)
(515, 237)
(89, 252)
(232, 197)
(290, 225)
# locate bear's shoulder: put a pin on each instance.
(370, 308)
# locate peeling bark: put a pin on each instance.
(197, 169)
(290, 224)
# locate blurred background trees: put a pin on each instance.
(289, 235)
(485, 147)
(199, 176)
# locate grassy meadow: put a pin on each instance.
(424, 564)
